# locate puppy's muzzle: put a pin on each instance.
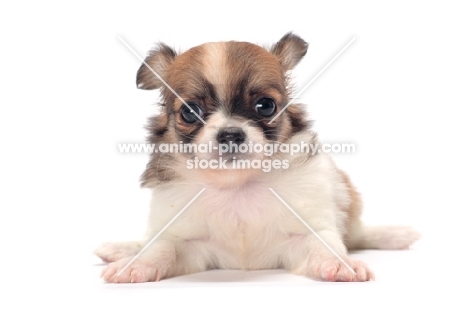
(231, 135)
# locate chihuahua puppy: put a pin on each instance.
(227, 93)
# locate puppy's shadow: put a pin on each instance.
(230, 276)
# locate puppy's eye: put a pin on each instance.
(188, 114)
(265, 107)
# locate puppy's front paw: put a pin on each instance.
(138, 271)
(333, 270)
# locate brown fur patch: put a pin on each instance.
(158, 169)
(159, 59)
(157, 127)
(354, 209)
(188, 79)
(255, 72)
(290, 49)
(298, 118)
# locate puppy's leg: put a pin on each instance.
(323, 254)
(152, 265)
(113, 251)
(164, 259)
(321, 263)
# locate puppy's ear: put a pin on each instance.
(159, 59)
(289, 50)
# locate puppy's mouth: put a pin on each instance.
(232, 156)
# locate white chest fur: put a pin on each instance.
(248, 219)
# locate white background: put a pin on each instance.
(68, 97)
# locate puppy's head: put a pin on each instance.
(236, 88)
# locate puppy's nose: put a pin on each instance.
(228, 134)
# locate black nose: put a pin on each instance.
(228, 134)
